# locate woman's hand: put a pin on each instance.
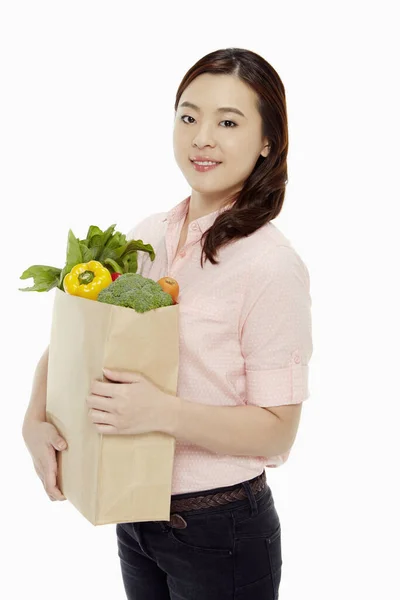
(129, 404)
(42, 440)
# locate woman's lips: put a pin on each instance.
(204, 168)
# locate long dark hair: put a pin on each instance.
(261, 198)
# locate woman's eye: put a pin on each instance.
(225, 121)
(183, 117)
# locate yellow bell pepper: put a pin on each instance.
(87, 280)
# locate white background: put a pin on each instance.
(87, 96)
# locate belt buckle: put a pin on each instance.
(177, 521)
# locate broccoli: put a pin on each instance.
(135, 291)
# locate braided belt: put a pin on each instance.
(212, 500)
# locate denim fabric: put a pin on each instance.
(229, 552)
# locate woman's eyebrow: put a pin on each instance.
(222, 109)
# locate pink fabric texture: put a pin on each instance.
(245, 331)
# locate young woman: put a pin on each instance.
(245, 345)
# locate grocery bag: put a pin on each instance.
(110, 478)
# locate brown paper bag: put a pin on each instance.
(110, 478)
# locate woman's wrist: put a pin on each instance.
(29, 421)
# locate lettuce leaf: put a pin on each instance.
(45, 278)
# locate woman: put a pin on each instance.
(245, 344)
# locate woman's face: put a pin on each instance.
(234, 140)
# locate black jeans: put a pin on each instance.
(229, 552)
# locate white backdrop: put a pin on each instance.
(86, 110)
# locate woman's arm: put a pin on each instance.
(235, 430)
(36, 410)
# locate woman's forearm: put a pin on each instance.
(36, 410)
(235, 430)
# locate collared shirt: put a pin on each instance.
(245, 330)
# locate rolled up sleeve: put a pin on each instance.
(276, 331)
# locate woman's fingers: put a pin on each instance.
(47, 472)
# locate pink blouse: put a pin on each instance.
(245, 331)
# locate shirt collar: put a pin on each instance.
(179, 211)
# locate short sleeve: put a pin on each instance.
(276, 331)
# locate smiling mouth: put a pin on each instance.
(199, 168)
(212, 161)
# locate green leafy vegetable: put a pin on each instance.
(109, 247)
(74, 256)
(45, 278)
(87, 253)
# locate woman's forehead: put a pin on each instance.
(216, 93)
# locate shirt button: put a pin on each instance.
(182, 253)
(193, 226)
(296, 357)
